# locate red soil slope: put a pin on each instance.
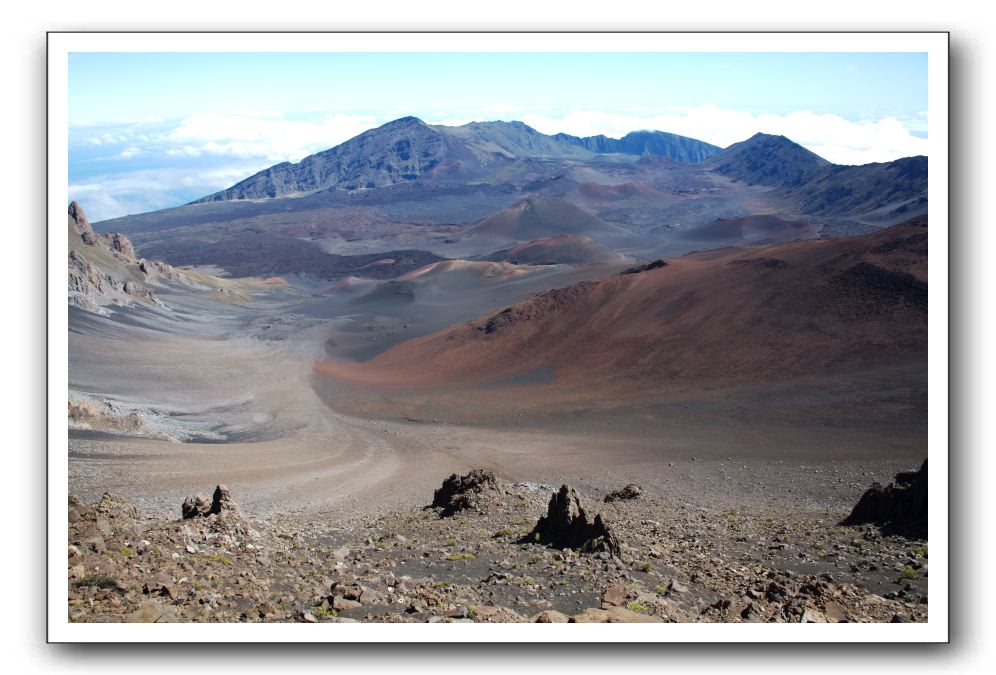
(716, 317)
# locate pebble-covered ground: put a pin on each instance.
(678, 562)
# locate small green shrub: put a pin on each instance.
(461, 556)
(323, 612)
(219, 558)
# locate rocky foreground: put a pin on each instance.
(486, 550)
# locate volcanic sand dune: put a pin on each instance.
(563, 249)
(601, 192)
(751, 231)
(536, 218)
(715, 317)
(447, 279)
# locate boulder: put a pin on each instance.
(615, 596)
(496, 614)
(612, 615)
(550, 616)
(152, 611)
(341, 604)
(900, 506)
(195, 506)
(465, 492)
(114, 507)
(566, 525)
(221, 505)
(631, 491)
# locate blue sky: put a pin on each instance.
(150, 130)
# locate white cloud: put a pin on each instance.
(273, 137)
(129, 152)
(144, 190)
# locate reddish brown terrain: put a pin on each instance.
(714, 318)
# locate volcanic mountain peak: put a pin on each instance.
(769, 160)
(401, 150)
(408, 149)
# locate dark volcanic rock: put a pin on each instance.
(195, 506)
(464, 492)
(566, 525)
(221, 504)
(901, 506)
(631, 491)
(654, 265)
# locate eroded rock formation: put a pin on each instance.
(901, 506)
(465, 492)
(566, 525)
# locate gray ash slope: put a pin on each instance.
(408, 149)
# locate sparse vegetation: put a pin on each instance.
(323, 612)
(96, 580)
(461, 556)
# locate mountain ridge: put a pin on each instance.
(408, 149)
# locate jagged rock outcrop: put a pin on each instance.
(465, 492)
(653, 265)
(79, 222)
(566, 525)
(221, 504)
(631, 491)
(900, 506)
(105, 270)
(122, 245)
